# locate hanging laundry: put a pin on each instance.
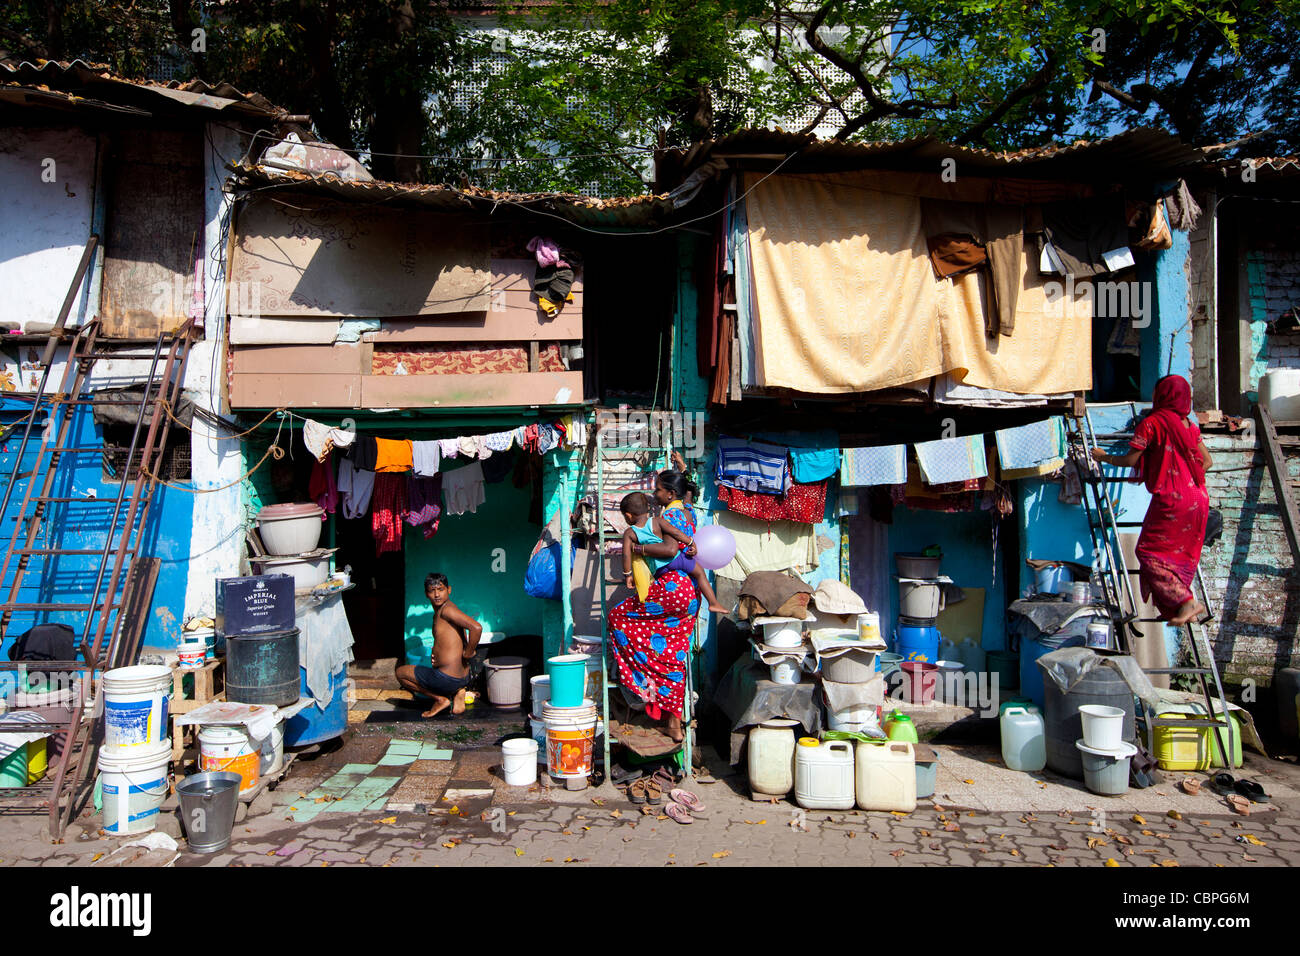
(321, 487)
(469, 445)
(952, 459)
(500, 441)
(752, 466)
(392, 455)
(317, 438)
(1081, 232)
(802, 503)
(342, 438)
(767, 545)
(463, 489)
(553, 286)
(450, 447)
(424, 496)
(814, 464)
(426, 456)
(389, 513)
(364, 453)
(1028, 446)
(355, 487)
(547, 438)
(546, 250)
(877, 465)
(960, 235)
(529, 442)
(498, 467)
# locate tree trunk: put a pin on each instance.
(398, 121)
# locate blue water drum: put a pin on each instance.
(917, 642)
(312, 724)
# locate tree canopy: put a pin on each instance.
(576, 93)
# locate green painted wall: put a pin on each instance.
(465, 549)
(555, 465)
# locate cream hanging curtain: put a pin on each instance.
(848, 301)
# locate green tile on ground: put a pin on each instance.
(358, 768)
(342, 781)
(304, 813)
(434, 752)
(411, 747)
(391, 759)
(350, 805)
(374, 787)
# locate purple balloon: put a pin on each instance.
(714, 547)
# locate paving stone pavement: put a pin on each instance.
(459, 812)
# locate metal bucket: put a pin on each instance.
(208, 803)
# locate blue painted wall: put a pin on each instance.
(69, 579)
(966, 541)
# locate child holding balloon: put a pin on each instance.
(647, 537)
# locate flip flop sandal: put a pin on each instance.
(687, 799)
(665, 779)
(654, 794)
(1251, 791)
(678, 812)
(636, 791)
(1223, 783)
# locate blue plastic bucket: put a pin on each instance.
(1050, 578)
(568, 673)
(917, 643)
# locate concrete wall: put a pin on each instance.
(47, 199)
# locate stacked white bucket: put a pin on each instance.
(137, 749)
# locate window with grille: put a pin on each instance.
(172, 465)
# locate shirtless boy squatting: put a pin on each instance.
(455, 642)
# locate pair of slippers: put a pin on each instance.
(1226, 785)
(682, 803)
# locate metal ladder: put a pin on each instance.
(1104, 528)
(112, 612)
(609, 484)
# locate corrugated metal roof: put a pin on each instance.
(78, 83)
(582, 210)
(1142, 151)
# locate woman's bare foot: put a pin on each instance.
(1190, 610)
(675, 728)
(439, 705)
(458, 705)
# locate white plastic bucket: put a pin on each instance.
(869, 627)
(1103, 727)
(227, 749)
(135, 706)
(519, 762)
(783, 632)
(134, 784)
(191, 654)
(271, 756)
(541, 691)
(209, 638)
(787, 671)
(570, 739)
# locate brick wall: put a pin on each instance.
(1248, 573)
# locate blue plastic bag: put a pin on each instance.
(542, 579)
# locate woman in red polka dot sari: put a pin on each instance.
(652, 639)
